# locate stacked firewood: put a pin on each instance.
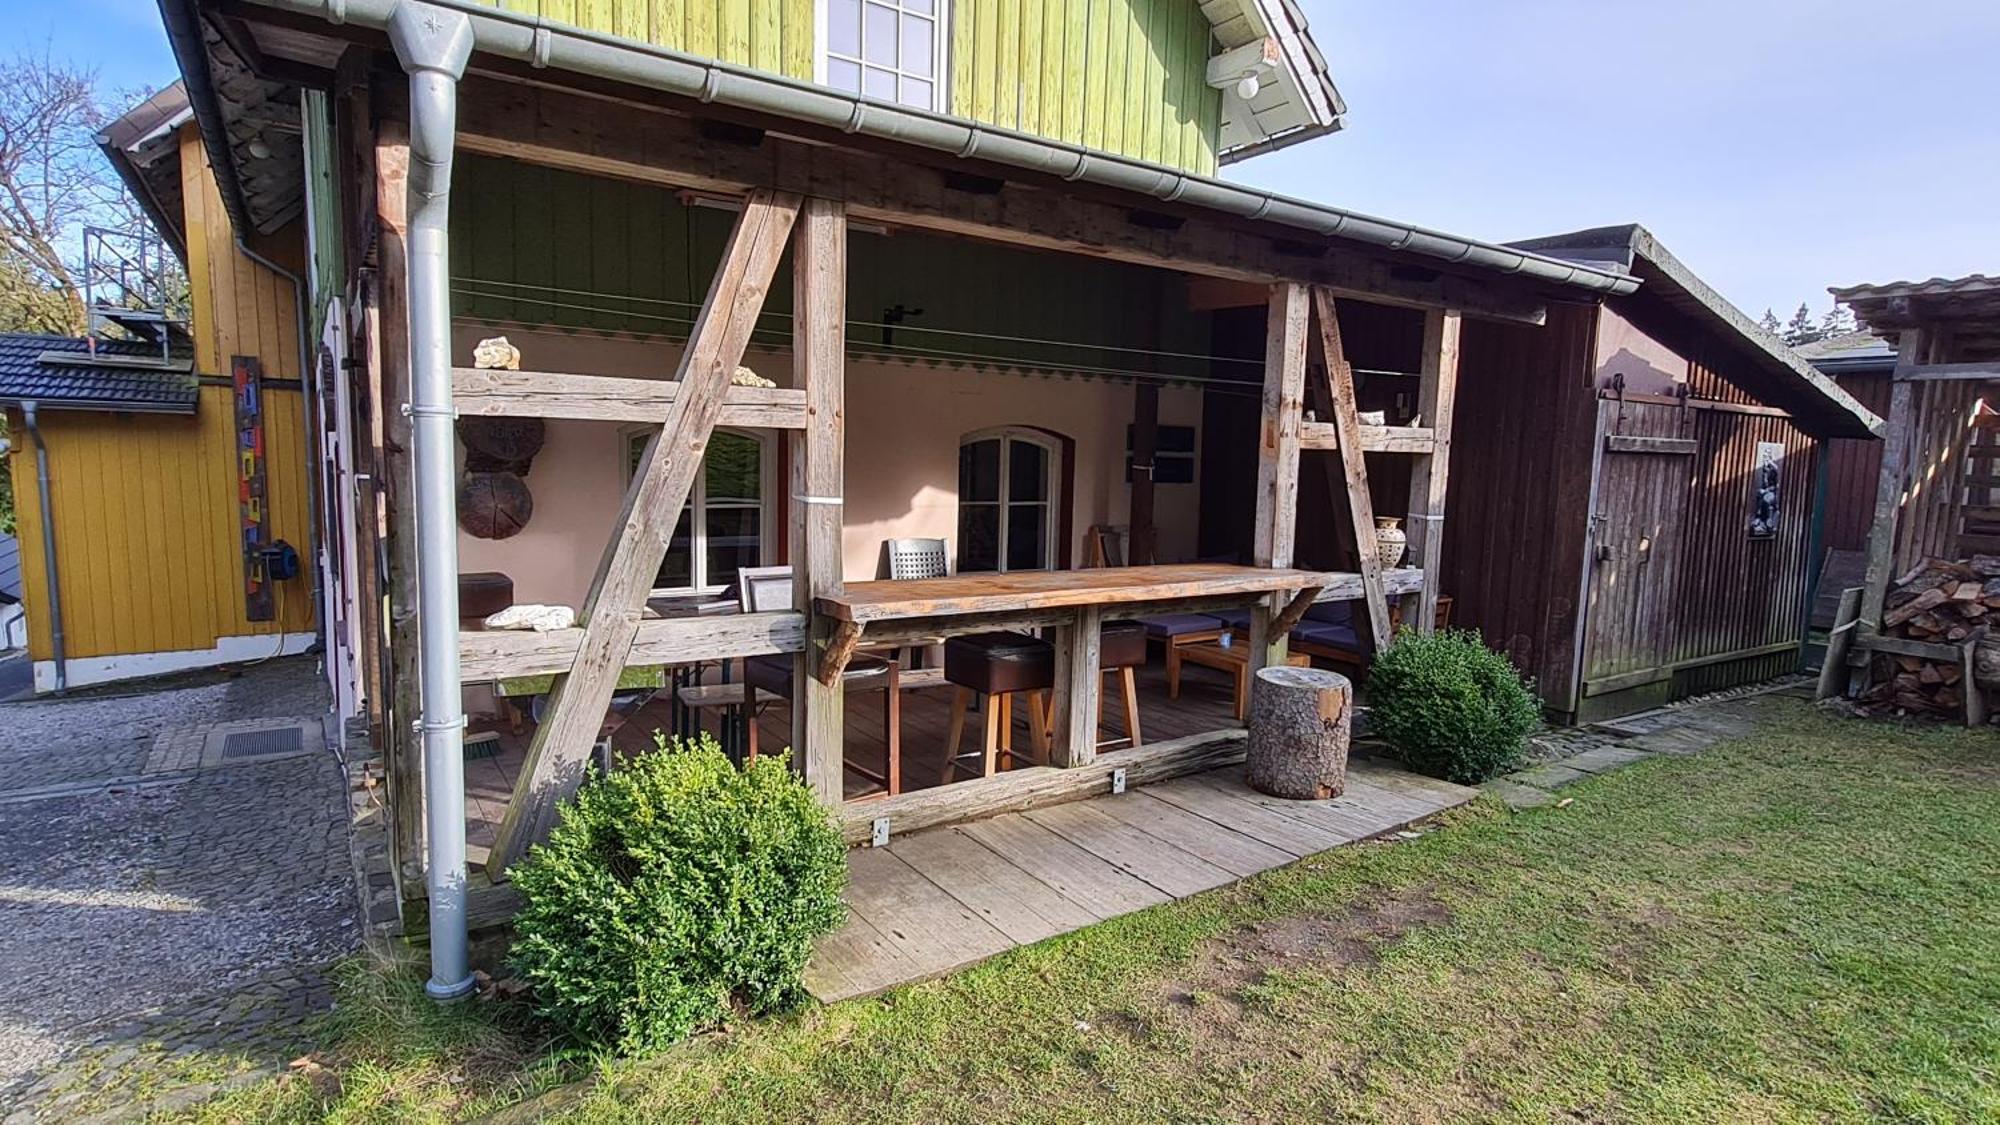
(1946, 603)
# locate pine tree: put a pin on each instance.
(1800, 329)
(1770, 324)
(1837, 322)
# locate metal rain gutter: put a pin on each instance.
(48, 514)
(543, 44)
(433, 45)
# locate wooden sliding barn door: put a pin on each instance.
(1643, 469)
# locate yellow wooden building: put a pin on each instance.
(140, 442)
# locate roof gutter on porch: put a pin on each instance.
(543, 44)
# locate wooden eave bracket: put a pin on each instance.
(839, 650)
(1294, 611)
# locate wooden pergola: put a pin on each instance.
(800, 189)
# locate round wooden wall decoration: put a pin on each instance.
(494, 505)
(501, 445)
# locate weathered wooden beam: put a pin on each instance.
(819, 358)
(1437, 397)
(650, 144)
(611, 612)
(1353, 464)
(842, 639)
(1078, 684)
(1287, 316)
(1635, 443)
(1038, 786)
(1968, 679)
(606, 398)
(1374, 439)
(1888, 493)
(1950, 372)
(1833, 668)
(392, 376)
(501, 654)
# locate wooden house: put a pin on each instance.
(127, 452)
(792, 284)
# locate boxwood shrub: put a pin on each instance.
(670, 888)
(1450, 706)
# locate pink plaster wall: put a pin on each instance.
(1649, 367)
(903, 427)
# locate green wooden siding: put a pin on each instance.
(773, 35)
(623, 257)
(1124, 76)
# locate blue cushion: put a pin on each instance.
(1180, 624)
(1234, 618)
(1328, 636)
(1333, 613)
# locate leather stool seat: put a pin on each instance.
(1000, 663)
(1122, 645)
(772, 672)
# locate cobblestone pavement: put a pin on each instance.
(1564, 757)
(150, 921)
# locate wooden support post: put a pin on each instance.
(392, 354)
(659, 489)
(1437, 392)
(1278, 454)
(819, 358)
(1354, 467)
(1889, 492)
(1968, 681)
(1840, 642)
(1077, 687)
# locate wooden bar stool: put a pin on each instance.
(1121, 649)
(998, 666)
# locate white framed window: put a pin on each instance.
(728, 521)
(890, 50)
(1007, 505)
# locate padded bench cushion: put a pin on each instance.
(997, 663)
(1169, 625)
(1320, 633)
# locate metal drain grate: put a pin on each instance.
(262, 743)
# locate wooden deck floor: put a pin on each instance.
(1204, 706)
(940, 900)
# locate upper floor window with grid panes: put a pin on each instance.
(887, 49)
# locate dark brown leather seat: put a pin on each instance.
(1122, 645)
(999, 663)
(998, 666)
(773, 672)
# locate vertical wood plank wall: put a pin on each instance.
(146, 505)
(1520, 491)
(1853, 468)
(1123, 76)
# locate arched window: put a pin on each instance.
(726, 524)
(1007, 510)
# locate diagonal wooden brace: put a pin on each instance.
(577, 702)
(839, 650)
(1294, 611)
(1353, 464)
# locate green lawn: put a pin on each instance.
(1801, 925)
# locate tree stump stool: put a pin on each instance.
(1299, 727)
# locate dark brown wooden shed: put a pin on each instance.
(1633, 515)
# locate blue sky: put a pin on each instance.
(1776, 146)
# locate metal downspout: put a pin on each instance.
(433, 44)
(309, 388)
(48, 544)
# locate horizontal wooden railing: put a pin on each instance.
(499, 654)
(608, 398)
(1374, 439)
